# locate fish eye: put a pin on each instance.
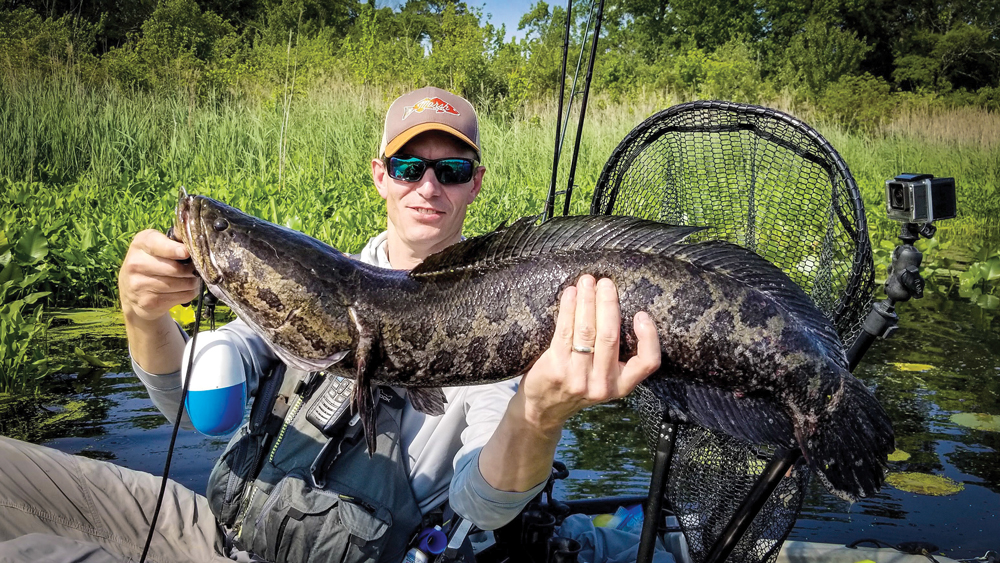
(220, 224)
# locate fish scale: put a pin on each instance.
(744, 350)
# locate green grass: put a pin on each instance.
(91, 166)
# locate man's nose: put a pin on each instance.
(428, 185)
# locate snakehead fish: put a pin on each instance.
(744, 349)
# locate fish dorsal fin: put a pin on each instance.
(754, 271)
(524, 239)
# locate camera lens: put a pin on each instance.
(897, 197)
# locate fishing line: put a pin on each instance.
(177, 421)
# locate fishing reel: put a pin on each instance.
(915, 201)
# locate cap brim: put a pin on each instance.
(404, 137)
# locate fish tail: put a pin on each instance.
(849, 445)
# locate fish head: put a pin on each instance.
(292, 289)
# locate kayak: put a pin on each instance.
(524, 540)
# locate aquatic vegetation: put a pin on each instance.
(91, 359)
(43, 416)
(977, 421)
(978, 282)
(23, 361)
(899, 455)
(924, 483)
(74, 324)
(902, 366)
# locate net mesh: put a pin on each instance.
(761, 179)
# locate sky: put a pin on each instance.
(504, 12)
(507, 12)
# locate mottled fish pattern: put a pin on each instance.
(744, 350)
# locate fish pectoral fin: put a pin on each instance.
(428, 400)
(366, 405)
(365, 400)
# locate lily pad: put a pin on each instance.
(901, 366)
(977, 421)
(924, 483)
(899, 455)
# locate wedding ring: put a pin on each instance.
(583, 349)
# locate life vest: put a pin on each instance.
(281, 501)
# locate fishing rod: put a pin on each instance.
(576, 75)
(208, 300)
(583, 108)
(561, 129)
(550, 199)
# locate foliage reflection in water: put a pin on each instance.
(106, 414)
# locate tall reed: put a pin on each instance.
(97, 163)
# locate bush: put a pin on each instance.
(821, 54)
(179, 47)
(376, 54)
(988, 98)
(31, 44)
(859, 103)
(732, 72)
(461, 58)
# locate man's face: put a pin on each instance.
(427, 215)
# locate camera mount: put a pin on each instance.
(907, 196)
(903, 283)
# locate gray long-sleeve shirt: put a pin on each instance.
(442, 451)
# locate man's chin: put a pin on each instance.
(431, 236)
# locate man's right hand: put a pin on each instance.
(152, 279)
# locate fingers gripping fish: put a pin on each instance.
(744, 349)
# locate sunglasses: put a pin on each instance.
(409, 168)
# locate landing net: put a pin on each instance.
(763, 180)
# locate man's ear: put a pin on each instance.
(477, 183)
(379, 176)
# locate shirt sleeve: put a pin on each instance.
(165, 390)
(470, 495)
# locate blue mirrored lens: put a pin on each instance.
(453, 170)
(408, 169)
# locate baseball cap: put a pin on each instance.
(429, 109)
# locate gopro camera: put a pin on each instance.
(920, 198)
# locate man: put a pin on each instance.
(488, 455)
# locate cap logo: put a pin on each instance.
(430, 104)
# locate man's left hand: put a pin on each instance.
(565, 380)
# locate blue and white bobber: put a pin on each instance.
(217, 396)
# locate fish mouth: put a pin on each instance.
(190, 229)
(182, 217)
